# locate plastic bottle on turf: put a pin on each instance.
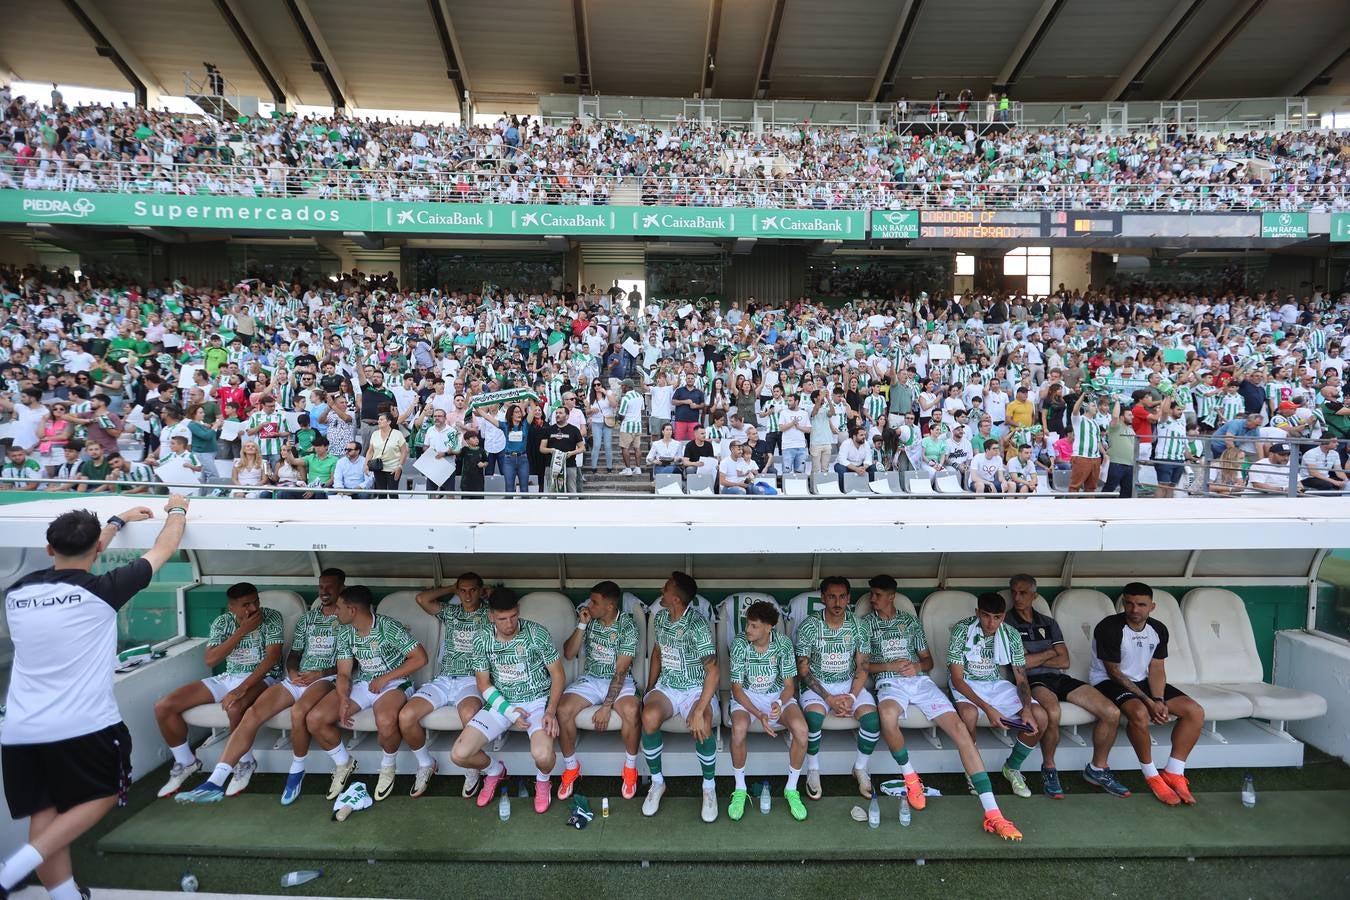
(604, 808)
(874, 813)
(1248, 791)
(905, 814)
(504, 806)
(765, 800)
(301, 876)
(189, 883)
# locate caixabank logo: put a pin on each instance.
(57, 208)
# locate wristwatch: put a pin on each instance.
(117, 522)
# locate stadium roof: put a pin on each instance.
(420, 54)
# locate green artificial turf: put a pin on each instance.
(1072, 875)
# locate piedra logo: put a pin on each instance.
(49, 208)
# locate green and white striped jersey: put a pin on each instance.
(458, 628)
(762, 672)
(249, 652)
(972, 649)
(383, 649)
(315, 639)
(630, 413)
(684, 645)
(1087, 436)
(1169, 443)
(603, 646)
(891, 640)
(518, 667)
(832, 652)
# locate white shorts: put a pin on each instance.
(449, 690)
(295, 690)
(681, 702)
(596, 689)
(364, 699)
(762, 703)
(220, 685)
(920, 691)
(493, 724)
(811, 698)
(1001, 695)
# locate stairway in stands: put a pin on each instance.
(610, 481)
(628, 192)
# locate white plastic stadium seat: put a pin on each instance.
(700, 485)
(855, 483)
(939, 612)
(1219, 705)
(224, 467)
(1226, 656)
(797, 485)
(826, 484)
(887, 484)
(292, 607)
(402, 606)
(949, 484)
(1078, 610)
(918, 483)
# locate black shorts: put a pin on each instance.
(1119, 695)
(64, 774)
(1057, 683)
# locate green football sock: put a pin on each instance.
(651, 749)
(981, 782)
(869, 730)
(1019, 754)
(707, 755)
(814, 720)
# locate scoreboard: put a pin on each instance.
(993, 224)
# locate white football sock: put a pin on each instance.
(740, 778)
(1149, 770)
(339, 754)
(388, 760)
(182, 754)
(793, 775)
(17, 867)
(1176, 766)
(221, 773)
(297, 764)
(424, 760)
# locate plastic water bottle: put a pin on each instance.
(189, 883)
(301, 876)
(1248, 791)
(504, 806)
(874, 813)
(604, 808)
(765, 801)
(905, 814)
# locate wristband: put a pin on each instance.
(117, 522)
(495, 701)
(178, 509)
(581, 626)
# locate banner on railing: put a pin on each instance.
(1340, 227)
(242, 213)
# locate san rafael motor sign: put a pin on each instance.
(895, 224)
(1284, 225)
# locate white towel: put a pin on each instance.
(976, 636)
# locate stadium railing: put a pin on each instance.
(488, 185)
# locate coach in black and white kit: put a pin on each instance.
(65, 749)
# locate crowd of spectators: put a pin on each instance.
(527, 160)
(359, 385)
